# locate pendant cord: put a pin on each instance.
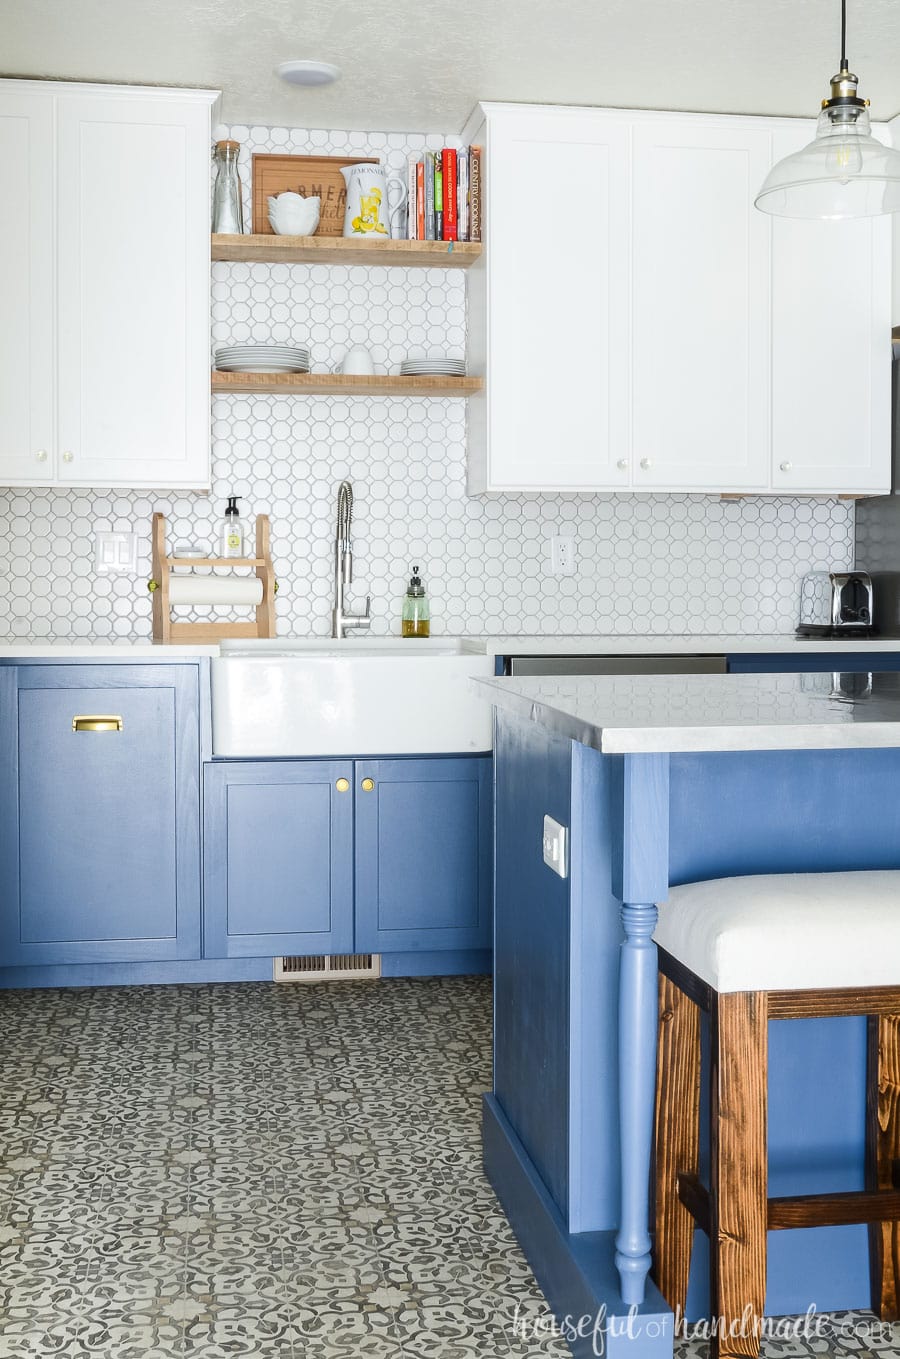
(844, 66)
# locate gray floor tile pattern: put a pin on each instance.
(286, 1172)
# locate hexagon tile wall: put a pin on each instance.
(646, 564)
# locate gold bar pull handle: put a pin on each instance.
(97, 723)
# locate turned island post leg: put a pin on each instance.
(640, 880)
(637, 1092)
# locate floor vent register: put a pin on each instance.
(316, 967)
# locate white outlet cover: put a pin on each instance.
(116, 553)
(562, 555)
(556, 846)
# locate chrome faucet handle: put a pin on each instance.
(368, 612)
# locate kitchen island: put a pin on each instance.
(657, 781)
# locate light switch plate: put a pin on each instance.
(556, 847)
(116, 553)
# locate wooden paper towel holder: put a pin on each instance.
(165, 630)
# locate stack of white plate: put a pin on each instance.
(262, 358)
(435, 365)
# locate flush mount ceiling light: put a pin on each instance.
(845, 172)
(308, 72)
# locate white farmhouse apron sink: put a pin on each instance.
(388, 696)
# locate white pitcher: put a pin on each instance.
(374, 202)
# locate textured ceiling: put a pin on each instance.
(422, 64)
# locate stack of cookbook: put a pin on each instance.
(445, 195)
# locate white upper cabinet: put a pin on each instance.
(556, 402)
(831, 349)
(643, 327)
(26, 288)
(124, 368)
(700, 309)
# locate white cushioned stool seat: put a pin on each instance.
(787, 931)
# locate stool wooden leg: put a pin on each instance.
(883, 1148)
(677, 1138)
(738, 1171)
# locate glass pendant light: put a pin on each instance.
(845, 172)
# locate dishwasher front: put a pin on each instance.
(617, 665)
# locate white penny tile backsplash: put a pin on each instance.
(645, 564)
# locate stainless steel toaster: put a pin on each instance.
(836, 604)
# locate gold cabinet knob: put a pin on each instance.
(68, 457)
(342, 785)
(368, 785)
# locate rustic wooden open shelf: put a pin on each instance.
(344, 384)
(347, 250)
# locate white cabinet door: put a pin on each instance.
(26, 289)
(700, 306)
(133, 303)
(831, 349)
(557, 302)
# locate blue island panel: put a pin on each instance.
(531, 950)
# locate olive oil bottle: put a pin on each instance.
(415, 621)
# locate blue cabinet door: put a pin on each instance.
(99, 821)
(278, 858)
(423, 854)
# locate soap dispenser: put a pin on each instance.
(416, 619)
(232, 530)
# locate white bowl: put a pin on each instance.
(290, 214)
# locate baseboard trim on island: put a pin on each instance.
(577, 1273)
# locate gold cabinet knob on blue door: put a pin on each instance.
(368, 785)
(342, 785)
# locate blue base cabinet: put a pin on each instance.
(99, 820)
(278, 858)
(794, 662)
(344, 856)
(423, 854)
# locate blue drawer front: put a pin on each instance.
(101, 828)
(423, 854)
(278, 858)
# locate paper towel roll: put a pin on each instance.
(193, 589)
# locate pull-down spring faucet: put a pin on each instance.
(341, 622)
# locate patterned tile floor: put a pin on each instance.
(280, 1172)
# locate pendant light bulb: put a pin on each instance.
(845, 172)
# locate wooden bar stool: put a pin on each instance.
(747, 950)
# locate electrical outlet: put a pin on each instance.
(562, 555)
(116, 554)
(556, 846)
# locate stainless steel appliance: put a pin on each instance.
(836, 604)
(616, 665)
(878, 528)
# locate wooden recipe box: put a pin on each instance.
(313, 176)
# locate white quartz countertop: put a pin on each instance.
(678, 645)
(632, 645)
(513, 646)
(100, 651)
(659, 713)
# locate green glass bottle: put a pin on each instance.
(415, 621)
